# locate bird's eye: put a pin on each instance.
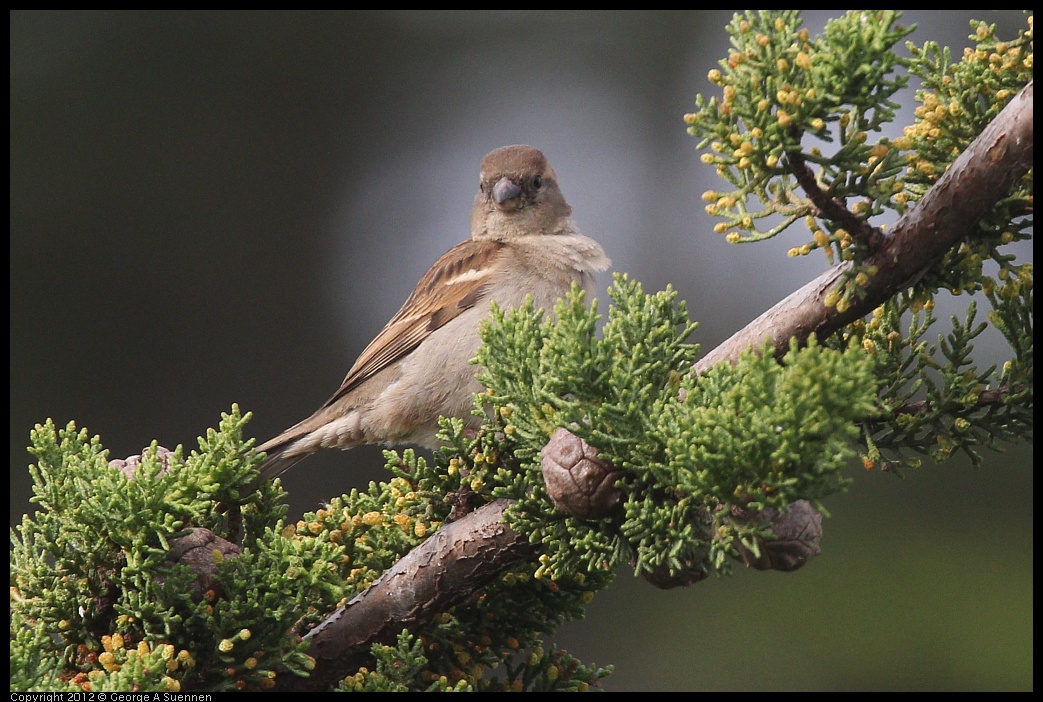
(481, 186)
(537, 182)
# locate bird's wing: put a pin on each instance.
(454, 284)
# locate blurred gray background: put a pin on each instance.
(209, 208)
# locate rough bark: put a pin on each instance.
(457, 560)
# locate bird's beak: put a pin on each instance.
(506, 193)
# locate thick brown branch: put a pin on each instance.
(457, 560)
(980, 177)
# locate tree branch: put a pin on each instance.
(976, 181)
(457, 560)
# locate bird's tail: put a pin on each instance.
(319, 431)
(330, 427)
(280, 459)
(285, 450)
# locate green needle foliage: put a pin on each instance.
(957, 101)
(785, 95)
(92, 568)
(757, 435)
(101, 601)
(795, 131)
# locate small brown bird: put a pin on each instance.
(523, 242)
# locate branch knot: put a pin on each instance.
(578, 482)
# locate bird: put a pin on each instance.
(523, 242)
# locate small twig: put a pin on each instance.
(830, 207)
(985, 399)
